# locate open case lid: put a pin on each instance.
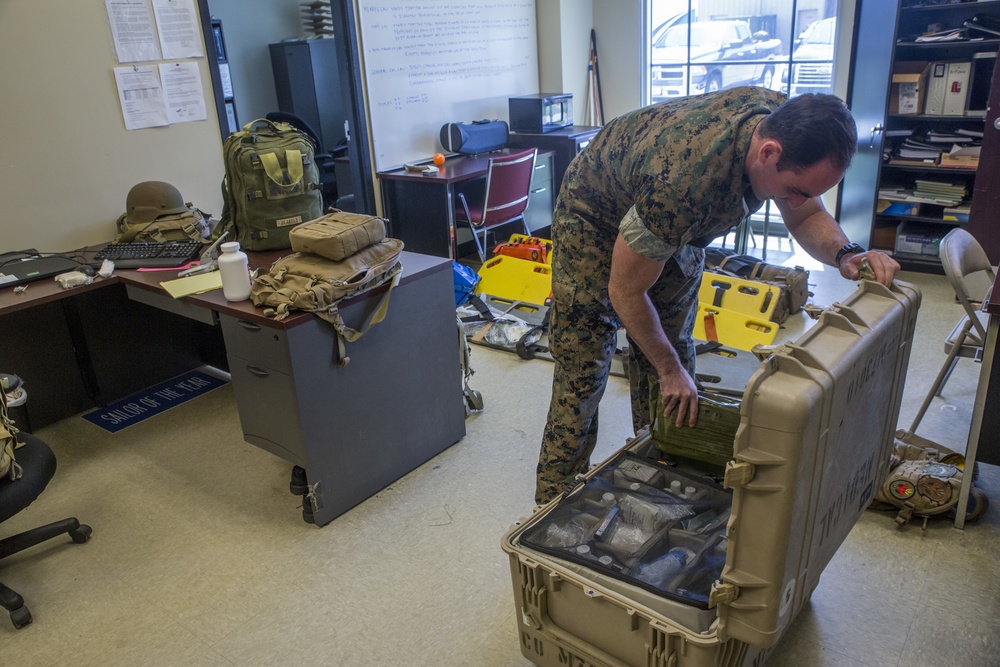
(815, 435)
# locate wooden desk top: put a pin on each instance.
(45, 291)
(456, 168)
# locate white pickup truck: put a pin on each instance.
(722, 54)
(812, 71)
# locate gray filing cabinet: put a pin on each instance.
(541, 201)
(355, 429)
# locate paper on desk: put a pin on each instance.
(196, 284)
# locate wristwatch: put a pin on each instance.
(849, 249)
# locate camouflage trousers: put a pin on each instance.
(582, 338)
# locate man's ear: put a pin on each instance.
(769, 152)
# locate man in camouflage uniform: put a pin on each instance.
(652, 189)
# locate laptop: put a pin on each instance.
(24, 267)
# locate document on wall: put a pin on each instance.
(182, 90)
(133, 30)
(177, 25)
(141, 96)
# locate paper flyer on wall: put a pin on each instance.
(141, 96)
(182, 90)
(133, 30)
(177, 26)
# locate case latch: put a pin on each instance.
(738, 473)
(722, 593)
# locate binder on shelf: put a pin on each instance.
(980, 80)
(937, 78)
(956, 89)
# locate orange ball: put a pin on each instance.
(438, 159)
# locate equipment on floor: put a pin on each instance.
(644, 561)
(924, 481)
(792, 280)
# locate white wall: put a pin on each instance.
(67, 162)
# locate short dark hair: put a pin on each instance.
(812, 128)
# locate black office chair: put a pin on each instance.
(323, 155)
(38, 465)
(508, 188)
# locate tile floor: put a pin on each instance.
(199, 556)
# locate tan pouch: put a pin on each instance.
(337, 235)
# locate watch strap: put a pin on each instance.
(849, 249)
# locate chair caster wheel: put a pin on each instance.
(20, 617)
(474, 399)
(307, 514)
(82, 534)
(299, 486)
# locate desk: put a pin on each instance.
(984, 443)
(354, 429)
(421, 208)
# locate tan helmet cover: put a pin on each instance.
(149, 200)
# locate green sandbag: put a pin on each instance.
(711, 440)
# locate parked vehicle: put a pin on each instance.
(720, 54)
(812, 69)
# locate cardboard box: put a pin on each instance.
(816, 430)
(916, 239)
(909, 87)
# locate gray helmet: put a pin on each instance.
(149, 200)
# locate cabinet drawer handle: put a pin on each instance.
(540, 166)
(249, 326)
(539, 190)
(258, 371)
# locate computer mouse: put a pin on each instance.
(87, 269)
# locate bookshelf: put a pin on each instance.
(925, 152)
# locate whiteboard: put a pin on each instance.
(441, 61)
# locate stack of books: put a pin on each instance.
(945, 194)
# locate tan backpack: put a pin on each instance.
(8, 441)
(924, 480)
(191, 224)
(315, 284)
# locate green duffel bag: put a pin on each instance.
(271, 185)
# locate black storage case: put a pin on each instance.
(543, 112)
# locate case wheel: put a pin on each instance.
(20, 617)
(82, 534)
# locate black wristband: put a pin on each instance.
(849, 249)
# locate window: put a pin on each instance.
(699, 46)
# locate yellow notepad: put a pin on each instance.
(196, 284)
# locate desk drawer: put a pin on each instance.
(256, 344)
(268, 409)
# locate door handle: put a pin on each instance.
(875, 130)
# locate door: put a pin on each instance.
(868, 98)
(986, 192)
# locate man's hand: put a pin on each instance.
(884, 267)
(677, 390)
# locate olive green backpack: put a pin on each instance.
(271, 185)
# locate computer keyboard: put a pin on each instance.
(137, 255)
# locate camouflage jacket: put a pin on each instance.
(676, 168)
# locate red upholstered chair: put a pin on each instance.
(508, 185)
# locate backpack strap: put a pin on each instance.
(281, 177)
(346, 334)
